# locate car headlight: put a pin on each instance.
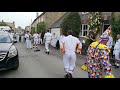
(12, 52)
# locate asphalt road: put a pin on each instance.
(40, 65)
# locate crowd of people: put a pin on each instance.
(99, 52)
(33, 40)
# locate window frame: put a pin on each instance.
(104, 27)
(84, 29)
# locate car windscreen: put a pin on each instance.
(5, 39)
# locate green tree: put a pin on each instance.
(3, 24)
(32, 30)
(40, 26)
(115, 22)
(71, 22)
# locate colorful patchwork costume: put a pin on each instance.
(97, 58)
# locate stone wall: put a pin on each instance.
(52, 17)
(85, 17)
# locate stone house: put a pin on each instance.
(48, 17)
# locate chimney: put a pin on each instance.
(37, 14)
(2, 21)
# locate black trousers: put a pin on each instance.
(58, 45)
(88, 75)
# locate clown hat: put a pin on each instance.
(105, 36)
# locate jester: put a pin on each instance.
(97, 58)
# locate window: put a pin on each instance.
(84, 29)
(81, 28)
(5, 39)
(105, 17)
(105, 27)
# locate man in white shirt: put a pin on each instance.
(69, 46)
(39, 35)
(54, 40)
(117, 52)
(62, 37)
(47, 38)
(28, 40)
(36, 37)
(110, 42)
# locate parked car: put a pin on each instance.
(9, 58)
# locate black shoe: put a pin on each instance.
(48, 53)
(35, 50)
(45, 51)
(66, 76)
(70, 75)
(116, 67)
(38, 49)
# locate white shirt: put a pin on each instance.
(27, 36)
(61, 38)
(110, 42)
(83, 41)
(48, 36)
(54, 37)
(70, 43)
(117, 44)
(39, 35)
(35, 36)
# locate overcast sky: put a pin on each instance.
(21, 19)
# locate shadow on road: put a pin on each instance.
(6, 72)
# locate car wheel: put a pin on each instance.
(16, 66)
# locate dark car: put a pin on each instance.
(9, 58)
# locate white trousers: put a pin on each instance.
(35, 41)
(47, 43)
(42, 41)
(69, 60)
(28, 44)
(53, 42)
(39, 41)
(17, 38)
(117, 57)
(22, 38)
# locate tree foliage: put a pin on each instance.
(115, 22)
(3, 24)
(32, 30)
(71, 22)
(41, 27)
(95, 22)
